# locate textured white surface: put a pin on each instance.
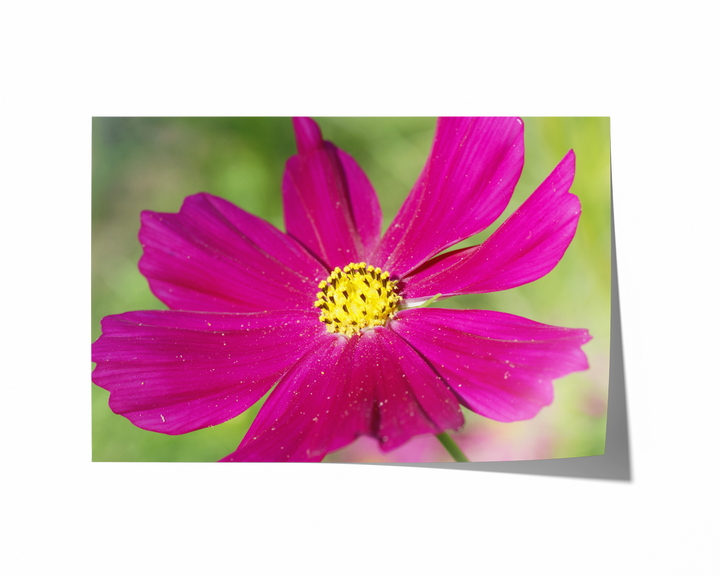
(651, 71)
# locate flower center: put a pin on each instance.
(356, 297)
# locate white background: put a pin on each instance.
(652, 70)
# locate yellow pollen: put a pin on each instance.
(356, 297)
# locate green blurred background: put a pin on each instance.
(154, 163)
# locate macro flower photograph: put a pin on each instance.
(350, 289)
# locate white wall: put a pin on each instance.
(651, 70)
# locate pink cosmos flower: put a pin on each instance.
(328, 311)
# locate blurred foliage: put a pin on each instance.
(154, 163)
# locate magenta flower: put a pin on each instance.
(328, 311)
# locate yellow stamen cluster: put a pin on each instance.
(355, 298)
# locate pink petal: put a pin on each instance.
(527, 246)
(374, 385)
(280, 430)
(330, 205)
(175, 372)
(465, 185)
(412, 399)
(213, 256)
(502, 366)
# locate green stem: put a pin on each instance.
(427, 303)
(452, 448)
